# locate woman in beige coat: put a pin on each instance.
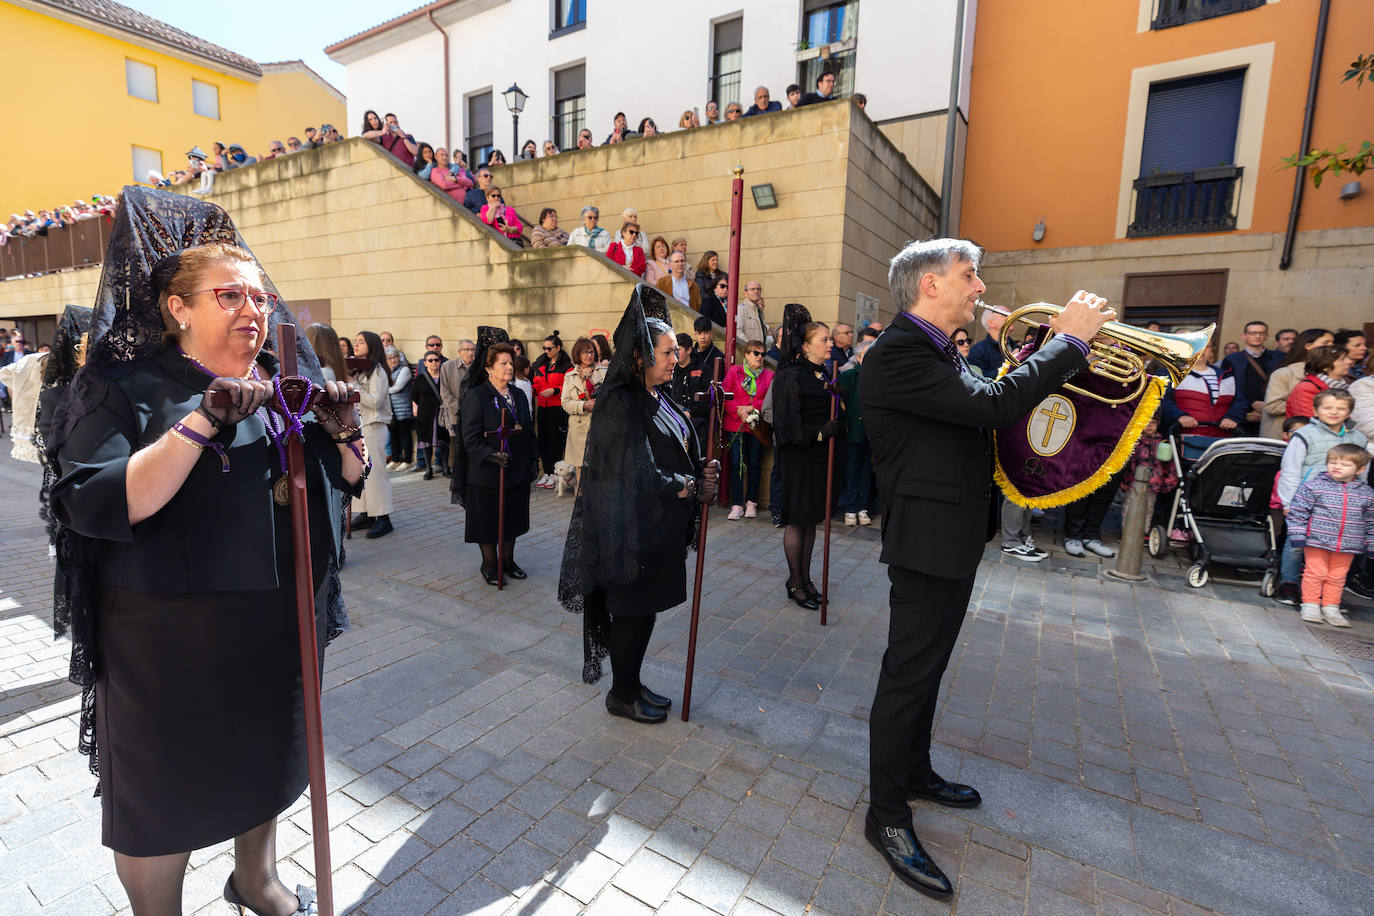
(1287, 375)
(579, 398)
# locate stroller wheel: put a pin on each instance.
(1197, 575)
(1158, 541)
(1268, 583)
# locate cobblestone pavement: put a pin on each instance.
(1144, 748)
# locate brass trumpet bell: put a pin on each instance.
(1119, 352)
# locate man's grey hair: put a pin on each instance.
(930, 257)
(466, 343)
(391, 351)
(586, 210)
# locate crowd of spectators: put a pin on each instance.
(29, 224)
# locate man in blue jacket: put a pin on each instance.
(929, 422)
(762, 103)
(1250, 366)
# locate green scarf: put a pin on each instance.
(751, 381)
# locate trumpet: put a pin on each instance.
(1118, 353)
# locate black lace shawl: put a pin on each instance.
(487, 336)
(126, 326)
(617, 516)
(786, 387)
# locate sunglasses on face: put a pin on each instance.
(632, 232)
(961, 341)
(755, 352)
(548, 349)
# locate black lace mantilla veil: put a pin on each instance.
(68, 354)
(786, 391)
(617, 514)
(487, 336)
(126, 326)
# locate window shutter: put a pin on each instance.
(140, 80)
(729, 35)
(570, 83)
(479, 114)
(1191, 123)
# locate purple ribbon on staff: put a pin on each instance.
(292, 425)
(502, 433)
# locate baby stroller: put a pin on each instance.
(1223, 501)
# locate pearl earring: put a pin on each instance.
(183, 325)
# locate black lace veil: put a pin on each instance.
(786, 390)
(487, 337)
(618, 515)
(125, 326)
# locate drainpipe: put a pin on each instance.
(1300, 180)
(947, 178)
(448, 109)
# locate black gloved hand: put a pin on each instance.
(245, 395)
(500, 459)
(831, 428)
(709, 483)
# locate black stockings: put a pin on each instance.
(798, 541)
(627, 638)
(489, 555)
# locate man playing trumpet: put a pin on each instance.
(928, 420)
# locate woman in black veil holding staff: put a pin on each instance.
(176, 561)
(643, 484)
(479, 459)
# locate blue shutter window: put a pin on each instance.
(1191, 123)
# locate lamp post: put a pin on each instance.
(515, 103)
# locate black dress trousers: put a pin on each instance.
(927, 613)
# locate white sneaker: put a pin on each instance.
(864, 519)
(850, 519)
(543, 482)
(1030, 544)
(736, 513)
(1074, 547)
(751, 510)
(1099, 548)
(1311, 613)
(1024, 552)
(1332, 615)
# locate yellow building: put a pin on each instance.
(99, 93)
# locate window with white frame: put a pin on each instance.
(205, 99)
(144, 161)
(727, 57)
(140, 79)
(569, 105)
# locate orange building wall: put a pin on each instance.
(1048, 112)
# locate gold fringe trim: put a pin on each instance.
(1144, 413)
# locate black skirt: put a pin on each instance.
(481, 512)
(803, 487)
(199, 716)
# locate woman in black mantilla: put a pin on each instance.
(642, 486)
(477, 465)
(801, 430)
(175, 562)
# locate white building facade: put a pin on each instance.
(579, 62)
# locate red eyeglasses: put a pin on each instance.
(231, 300)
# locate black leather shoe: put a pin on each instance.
(801, 598)
(949, 794)
(381, 526)
(656, 700)
(638, 711)
(908, 861)
(362, 520)
(814, 592)
(429, 473)
(515, 572)
(489, 576)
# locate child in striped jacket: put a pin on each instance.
(1331, 517)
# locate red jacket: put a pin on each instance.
(637, 263)
(546, 376)
(1299, 403)
(734, 384)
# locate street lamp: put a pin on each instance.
(515, 103)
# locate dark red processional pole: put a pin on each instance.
(732, 290)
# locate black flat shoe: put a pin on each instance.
(305, 900)
(514, 571)
(949, 794)
(638, 711)
(801, 598)
(429, 474)
(362, 520)
(381, 526)
(489, 575)
(814, 592)
(908, 861)
(656, 700)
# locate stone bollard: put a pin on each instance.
(1132, 524)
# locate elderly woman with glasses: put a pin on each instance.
(590, 234)
(187, 620)
(626, 253)
(748, 383)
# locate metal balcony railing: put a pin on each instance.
(1178, 203)
(1169, 13)
(78, 245)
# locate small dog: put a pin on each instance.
(564, 474)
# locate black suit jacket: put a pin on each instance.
(928, 428)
